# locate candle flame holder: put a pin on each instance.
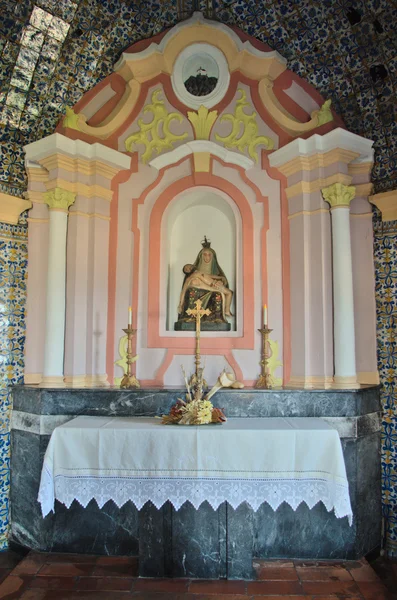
(129, 380)
(265, 379)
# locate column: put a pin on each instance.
(58, 201)
(339, 197)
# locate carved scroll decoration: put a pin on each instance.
(156, 135)
(244, 132)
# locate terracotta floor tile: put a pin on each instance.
(73, 558)
(277, 574)
(53, 583)
(364, 573)
(279, 563)
(33, 595)
(283, 597)
(160, 585)
(115, 570)
(198, 586)
(117, 560)
(31, 564)
(117, 584)
(221, 597)
(274, 587)
(323, 574)
(69, 595)
(4, 573)
(348, 588)
(65, 569)
(12, 586)
(10, 559)
(372, 590)
(147, 595)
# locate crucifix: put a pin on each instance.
(197, 313)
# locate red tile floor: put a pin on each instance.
(78, 577)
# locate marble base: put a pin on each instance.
(198, 543)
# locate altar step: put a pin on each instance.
(41, 576)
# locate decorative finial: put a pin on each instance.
(206, 243)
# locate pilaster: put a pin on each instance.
(61, 168)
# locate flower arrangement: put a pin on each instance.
(197, 409)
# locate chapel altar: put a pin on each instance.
(201, 169)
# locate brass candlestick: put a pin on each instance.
(264, 380)
(129, 380)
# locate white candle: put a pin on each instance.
(130, 315)
(265, 315)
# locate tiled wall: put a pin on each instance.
(13, 264)
(386, 301)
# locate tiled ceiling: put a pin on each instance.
(52, 51)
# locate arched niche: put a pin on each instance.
(191, 215)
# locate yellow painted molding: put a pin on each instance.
(363, 190)
(308, 213)
(338, 195)
(34, 220)
(202, 122)
(78, 165)
(147, 67)
(202, 162)
(35, 196)
(81, 189)
(311, 382)
(368, 377)
(150, 135)
(308, 187)
(96, 380)
(284, 118)
(52, 381)
(347, 383)
(364, 168)
(112, 121)
(367, 215)
(32, 378)
(11, 207)
(317, 161)
(39, 174)
(79, 213)
(75, 381)
(244, 134)
(387, 204)
(59, 199)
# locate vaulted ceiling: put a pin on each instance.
(52, 51)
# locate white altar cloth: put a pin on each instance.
(270, 460)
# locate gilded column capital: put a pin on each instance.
(59, 199)
(339, 195)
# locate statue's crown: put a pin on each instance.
(206, 243)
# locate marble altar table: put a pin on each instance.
(190, 542)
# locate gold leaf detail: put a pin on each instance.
(122, 362)
(156, 135)
(59, 199)
(273, 363)
(73, 120)
(202, 122)
(324, 115)
(249, 137)
(339, 194)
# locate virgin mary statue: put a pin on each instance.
(205, 280)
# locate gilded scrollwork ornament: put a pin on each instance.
(155, 135)
(244, 134)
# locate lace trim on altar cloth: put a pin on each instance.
(254, 492)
